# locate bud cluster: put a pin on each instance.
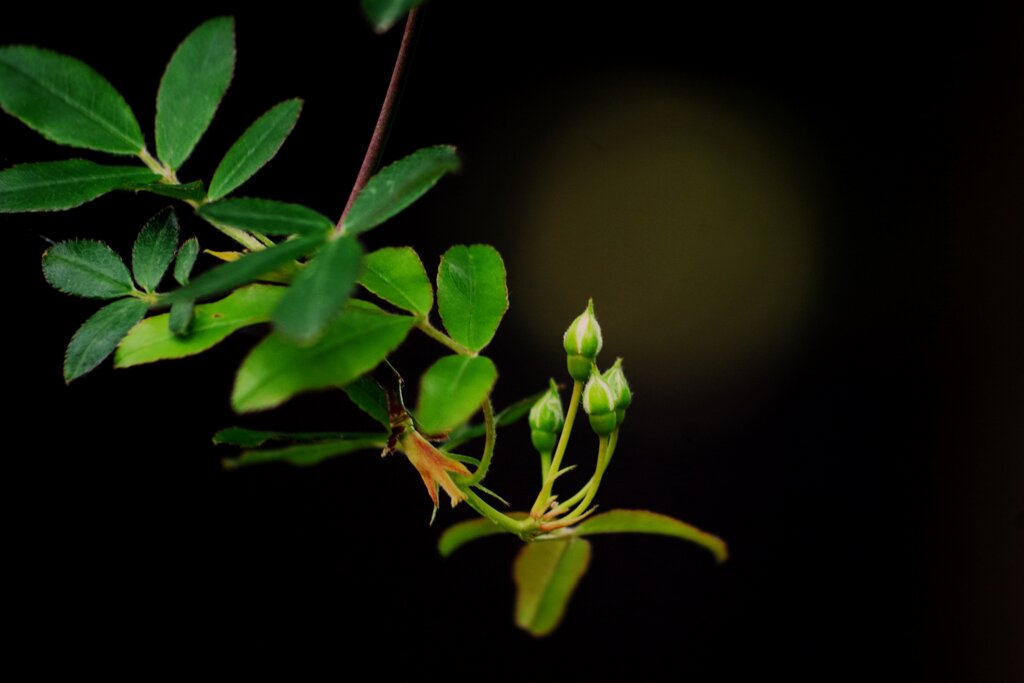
(605, 397)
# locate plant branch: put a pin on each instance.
(387, 114)
(424, 326)
(491, 435)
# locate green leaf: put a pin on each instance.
(248, 268)
(383, 14)
(399, 185)
(351, 346)
(396, 275)
(66, 101)
(258, 145)
(98, 336)
(87, 268)
(370, 398)
(182, 315)
(59, 185)
(194, 191)
(154, 339)
(251, 438)
(185, 260)
(471, 294)
(646, 522)
(305, 455)
(546, 573)
(192, 87)
(458, 535)
(320, 291)
(508, 416)
(154, 249)
(267, 216)
(452, 390)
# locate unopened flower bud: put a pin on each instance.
(616, 380)
(546, 420)
(582, 343)
(599, 404)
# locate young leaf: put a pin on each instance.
(396, 275)
(351, 346)
(471, 293)
(384, 13)
(458, 535)
(182, 316)
(645, 522)
(154, 340)
(154, 249)
(320, 291)
(546, 573)
(185, 260)
(399, 185)
(66, 101)
(258, 145)
(58, 185)
(87, 268)
(192, 86)
(194, 191)
(251, 438)
(98, 336)
(267, 216)
(452, 390)
(306, 454)
(508, 416)
(370, 398)
(246, 269)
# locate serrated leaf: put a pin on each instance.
(508, 416)
(267, 216)
(305, 455)
(251, 438)
(396, 275)
(472, 296)
(546, 573)
(97, 337)
(59, 185)
(192, 87)
(452, 389)
(351, 346)
(258, 145)
(154, 339)
(398, 185)
(320, 291)
(66, 101)
(458, 535)
(182, 316)
(194, 191)
(186, 260)
(246, 269)
(383, 14)
(370, 398)
(646, 522)
(86, 268)
(154, 249)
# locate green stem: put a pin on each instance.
(424, 326)
(545, 465)
(604, 456)
(491, 433)
(524, 528)
(156, 167)
(578, 496)
(238, 235)
(556, 461)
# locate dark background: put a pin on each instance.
(834, 387)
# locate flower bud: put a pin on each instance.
(582, 343)
(616, 380)
(546, 420)
(599, 404)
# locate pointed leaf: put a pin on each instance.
(399, 185)
(154, 249)
(251, 438)
(351, 346)
(246, 269)
(458, 535)
(58, 185)
(182, 316)
(396, 275)
(267, 216)
(319, 292)
(154, 339)
(97, 337)
(255, 148)
(194, 191)
(384, 13)
(185, 260)
(471, 294)
(192, 87)
(546, 574)
(508, 416)
(66, 101)
(87, 268)
(370, 398)
(305, 455)
(452, 390)
(646, 522)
